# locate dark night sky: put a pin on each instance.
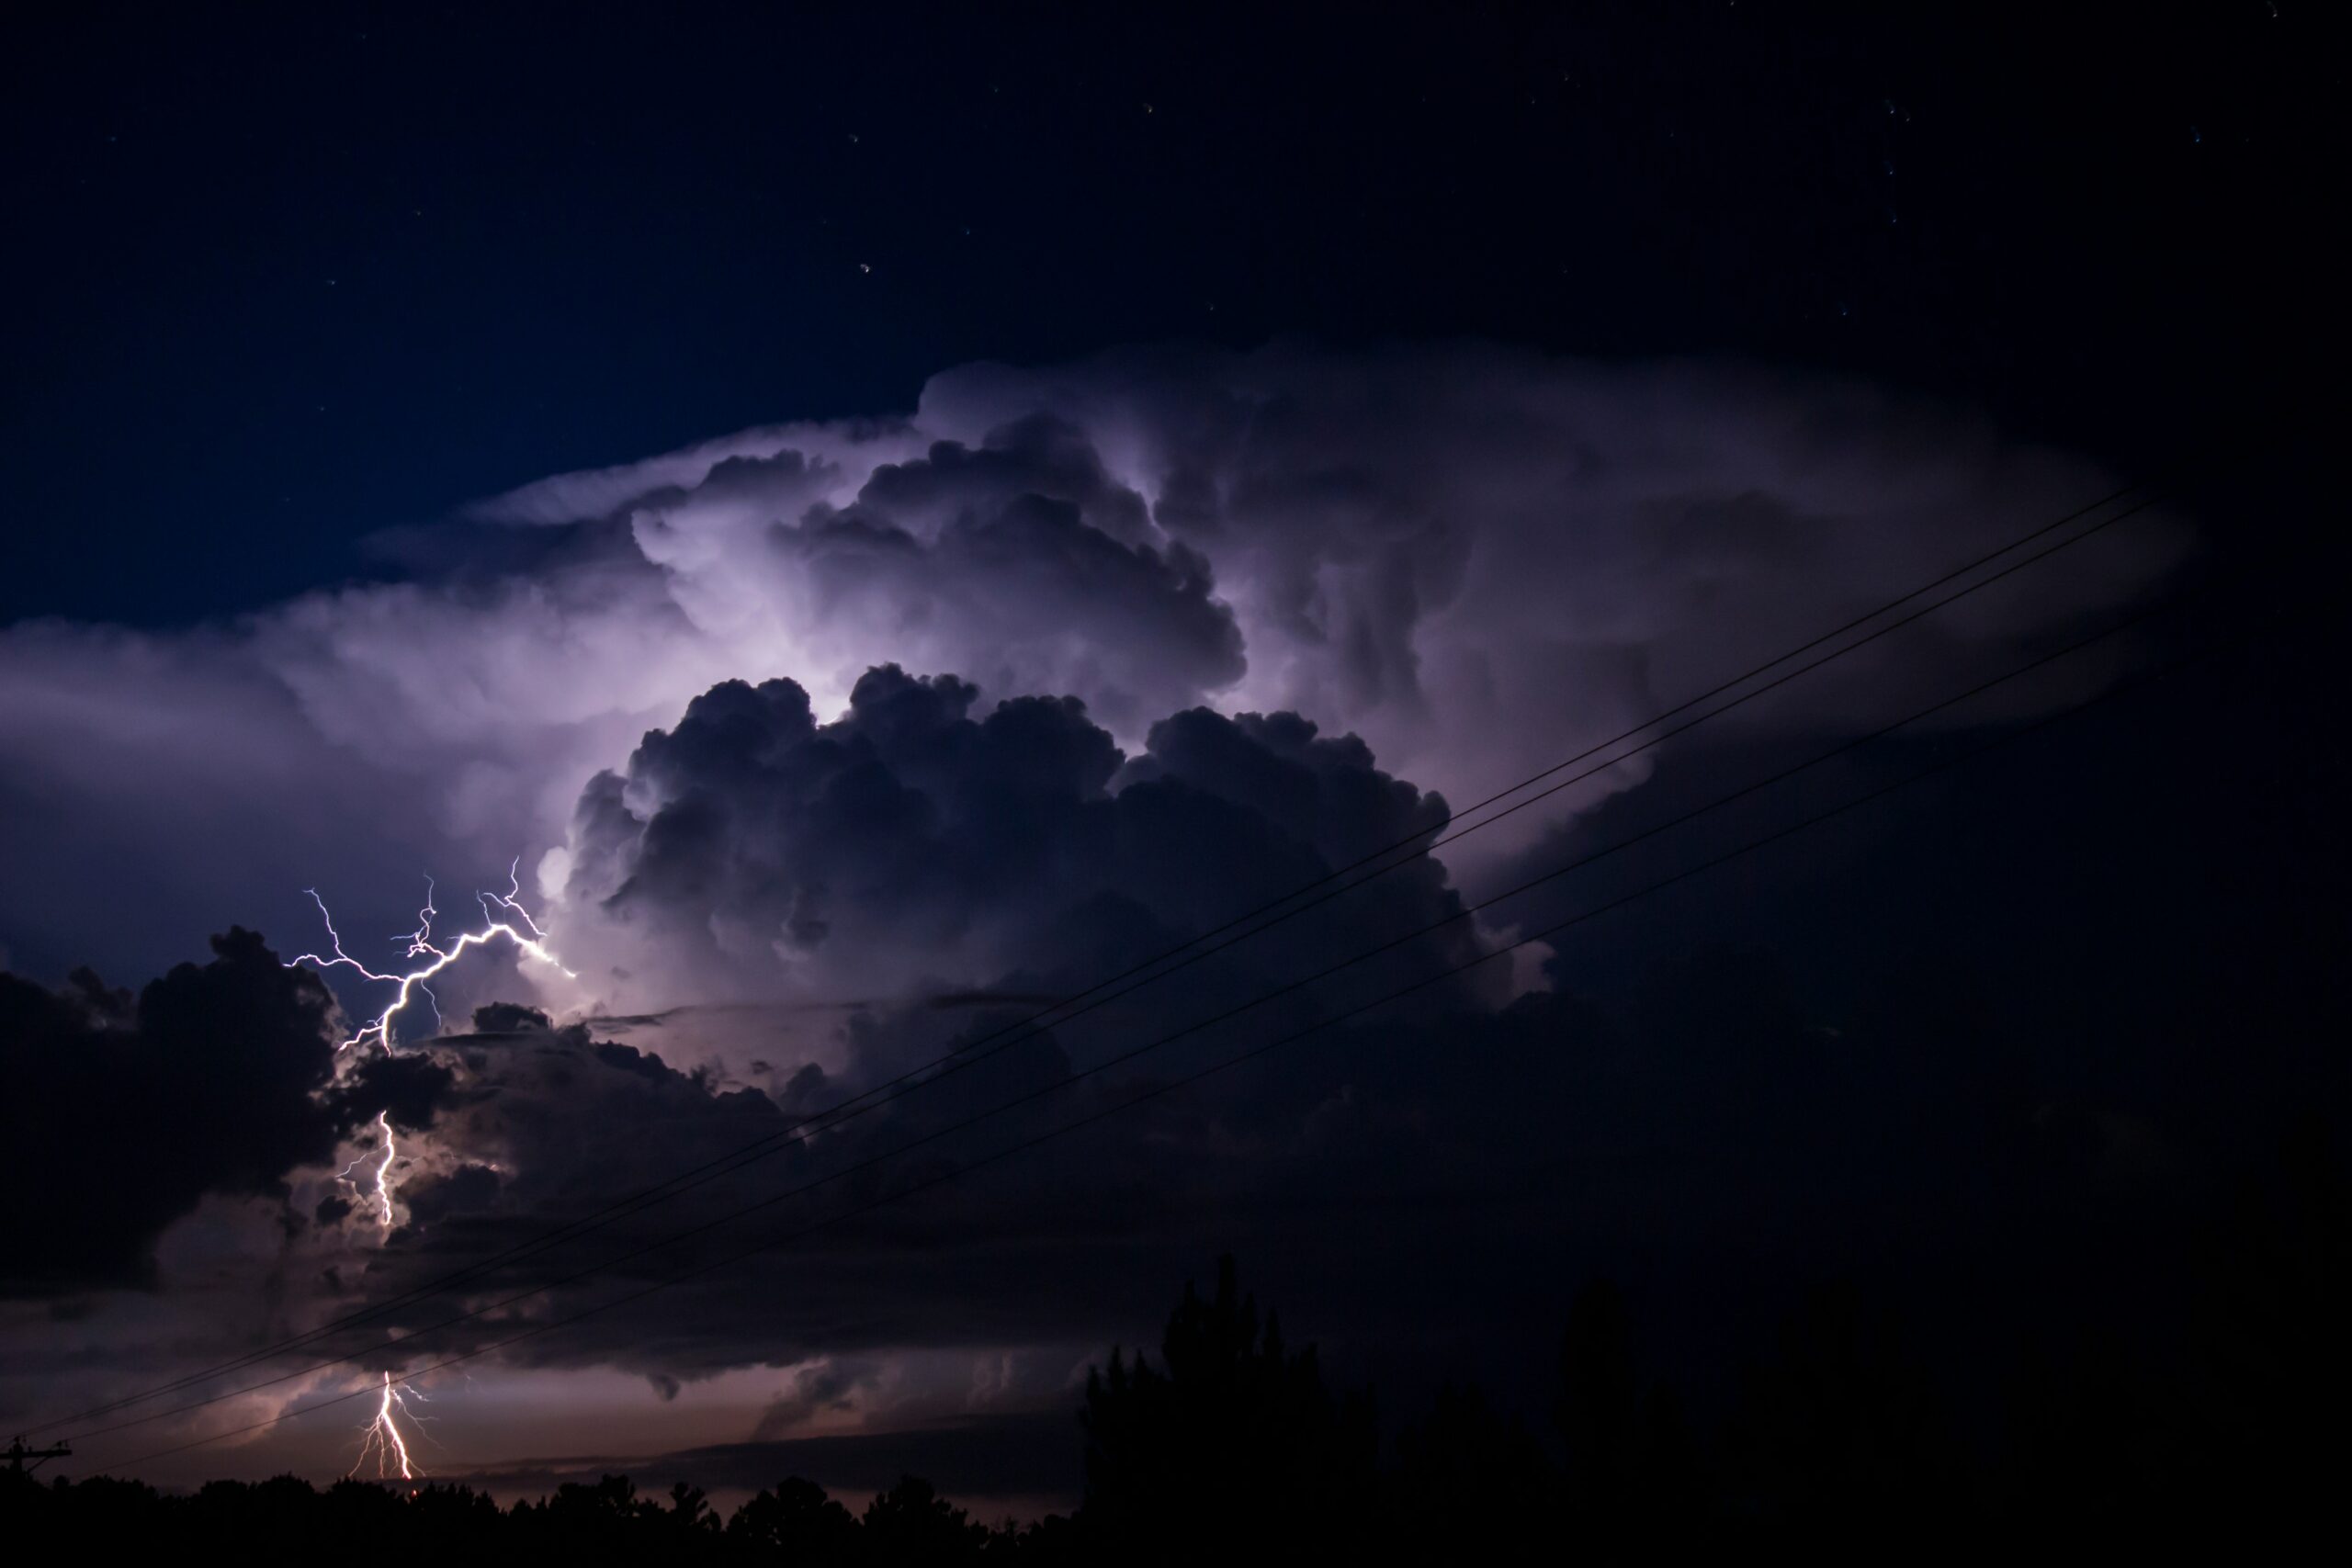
(1710, 323)
(285, 278)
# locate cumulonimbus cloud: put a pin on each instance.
(930, 720)
(1477, 559)
(916, 846)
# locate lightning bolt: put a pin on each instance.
(380, 1439)
(383, 1171)
(502, 916)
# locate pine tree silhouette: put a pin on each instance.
(1237, 1441)
(798, 1523)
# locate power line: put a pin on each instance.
(1171, 1086)
(1390, 945)
(1035, 1023)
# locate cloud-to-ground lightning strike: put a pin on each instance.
(517, 927)
(380, 1439)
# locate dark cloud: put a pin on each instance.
(1419, 1190)
(749, 847)
(436, 1198)
(818, 1388)
(1416, 1194)
(509, 1018)
(1030, 1456)
(1022, 563)
(1699, 1122)
(407, 1090)
(120, 1114)
(1038, 455)
(1000, 859)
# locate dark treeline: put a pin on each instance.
(1231, 1444)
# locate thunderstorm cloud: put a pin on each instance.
(829, 749)
(1476, 559)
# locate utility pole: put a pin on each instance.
(18, 1453)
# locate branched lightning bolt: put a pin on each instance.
(380, 1439)
(383, 1171)
(420, 941)
(506, 901)
(502, 915)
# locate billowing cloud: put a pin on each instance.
(966, 865)
(916, 845)
(121, 1113)
(832, 748)
(1477, 559)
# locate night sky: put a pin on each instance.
(884, 517)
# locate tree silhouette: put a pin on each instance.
(1470, 1484)
(1838, 1448)
(1632, 1478)
(1236, 1439)
(912, 1524)
(2271, 1373)
(1598, 1408)
(798, 1523)
(1231, 1446)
